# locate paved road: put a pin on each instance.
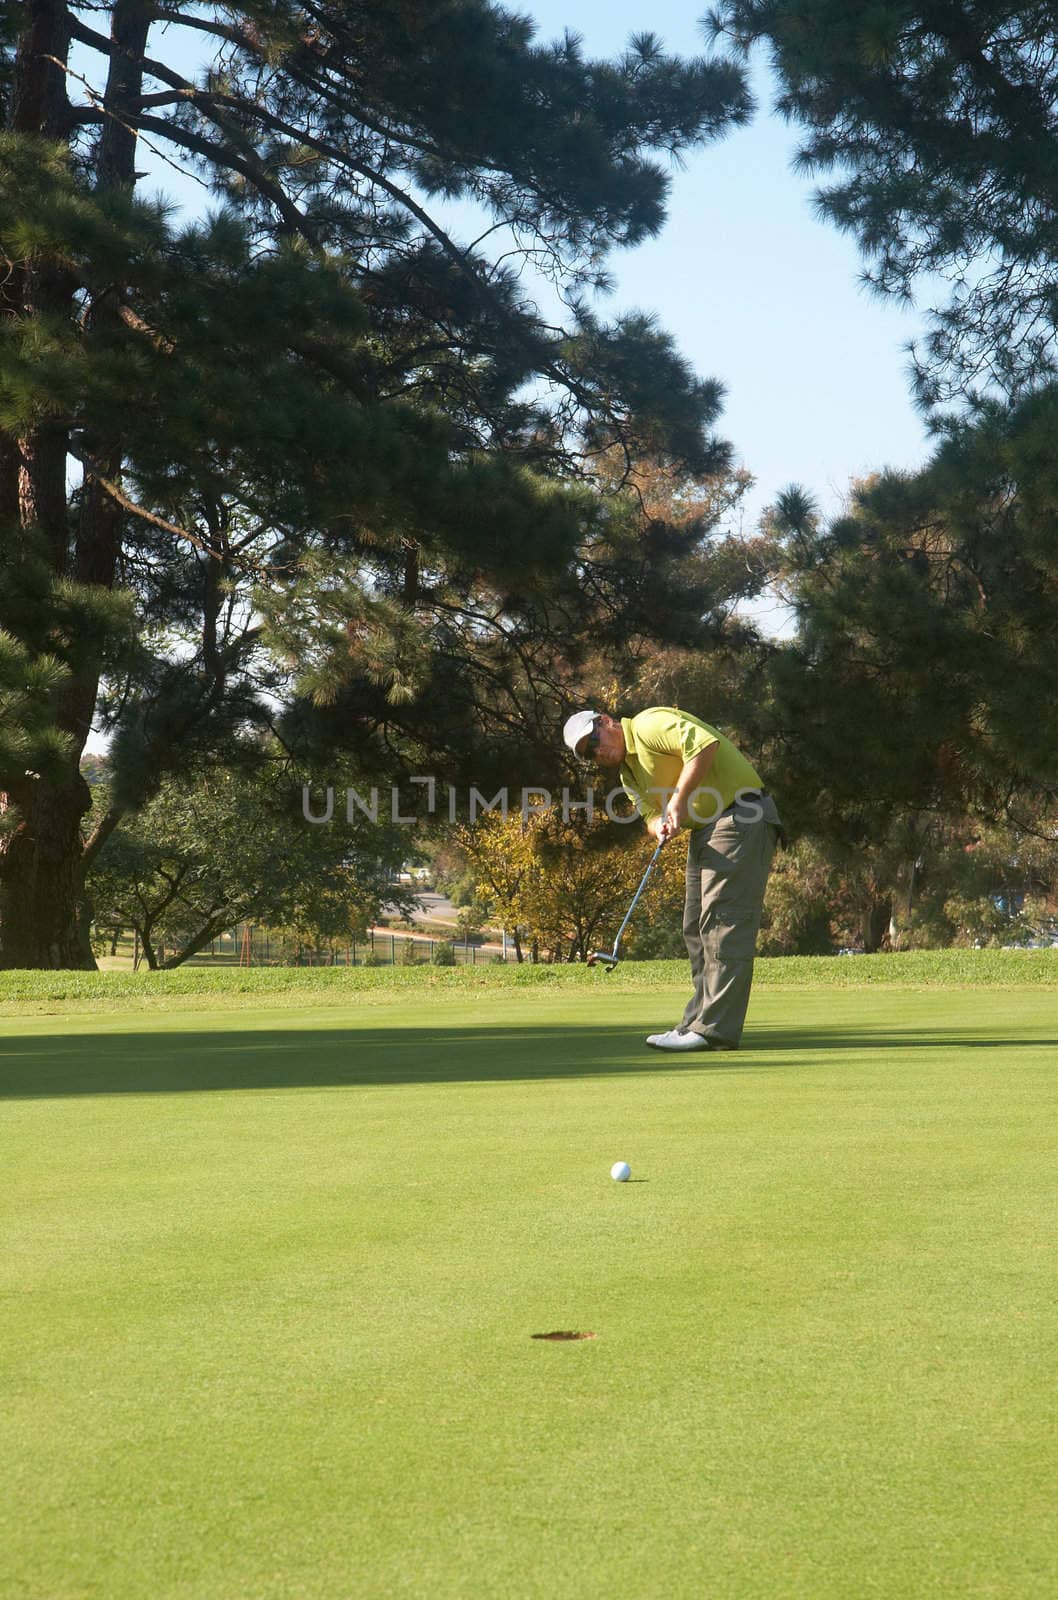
(435, 908)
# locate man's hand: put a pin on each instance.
(693, 773)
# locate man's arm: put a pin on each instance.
(693, 775)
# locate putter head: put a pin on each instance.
(609, 959)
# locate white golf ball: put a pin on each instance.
(620, 1172)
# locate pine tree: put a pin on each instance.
(923, 681)
(471, 681)
(939, 125)
(318, 387)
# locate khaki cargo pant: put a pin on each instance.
(728, 863)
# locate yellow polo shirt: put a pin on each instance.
(659, 741)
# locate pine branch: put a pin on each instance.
(101, 833)
(247, 163)
(206, 100)
(143, 514)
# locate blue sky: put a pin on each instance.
(760, 294)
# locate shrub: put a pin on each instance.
(444, 954)
(658, 941)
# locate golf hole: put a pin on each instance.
(567, 1333)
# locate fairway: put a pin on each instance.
(270, 1277)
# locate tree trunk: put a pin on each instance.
(876, 925)
(44, 913)
(42, 910)
(906, 939)
(40, 881)
(41, 287)
(150, 955)
(197, 942)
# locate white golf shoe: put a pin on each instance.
(675, 1040)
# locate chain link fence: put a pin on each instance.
(250, 946)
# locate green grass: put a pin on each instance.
(20, 991)
(271, 1269)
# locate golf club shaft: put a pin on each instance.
(635, 897)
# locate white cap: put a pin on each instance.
(579, 724)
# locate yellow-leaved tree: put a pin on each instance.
(560, 888)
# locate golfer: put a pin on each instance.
(681, 773)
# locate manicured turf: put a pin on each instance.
(337, 985)
(270, 1275)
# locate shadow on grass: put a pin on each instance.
(173, 1062)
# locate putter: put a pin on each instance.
(610, 958)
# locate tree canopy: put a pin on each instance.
(352, 467)
(937, 126)
(922, 677)
(226, 847)
(321, 403)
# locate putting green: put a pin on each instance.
(270, 1278)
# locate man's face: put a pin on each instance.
(605, 745)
